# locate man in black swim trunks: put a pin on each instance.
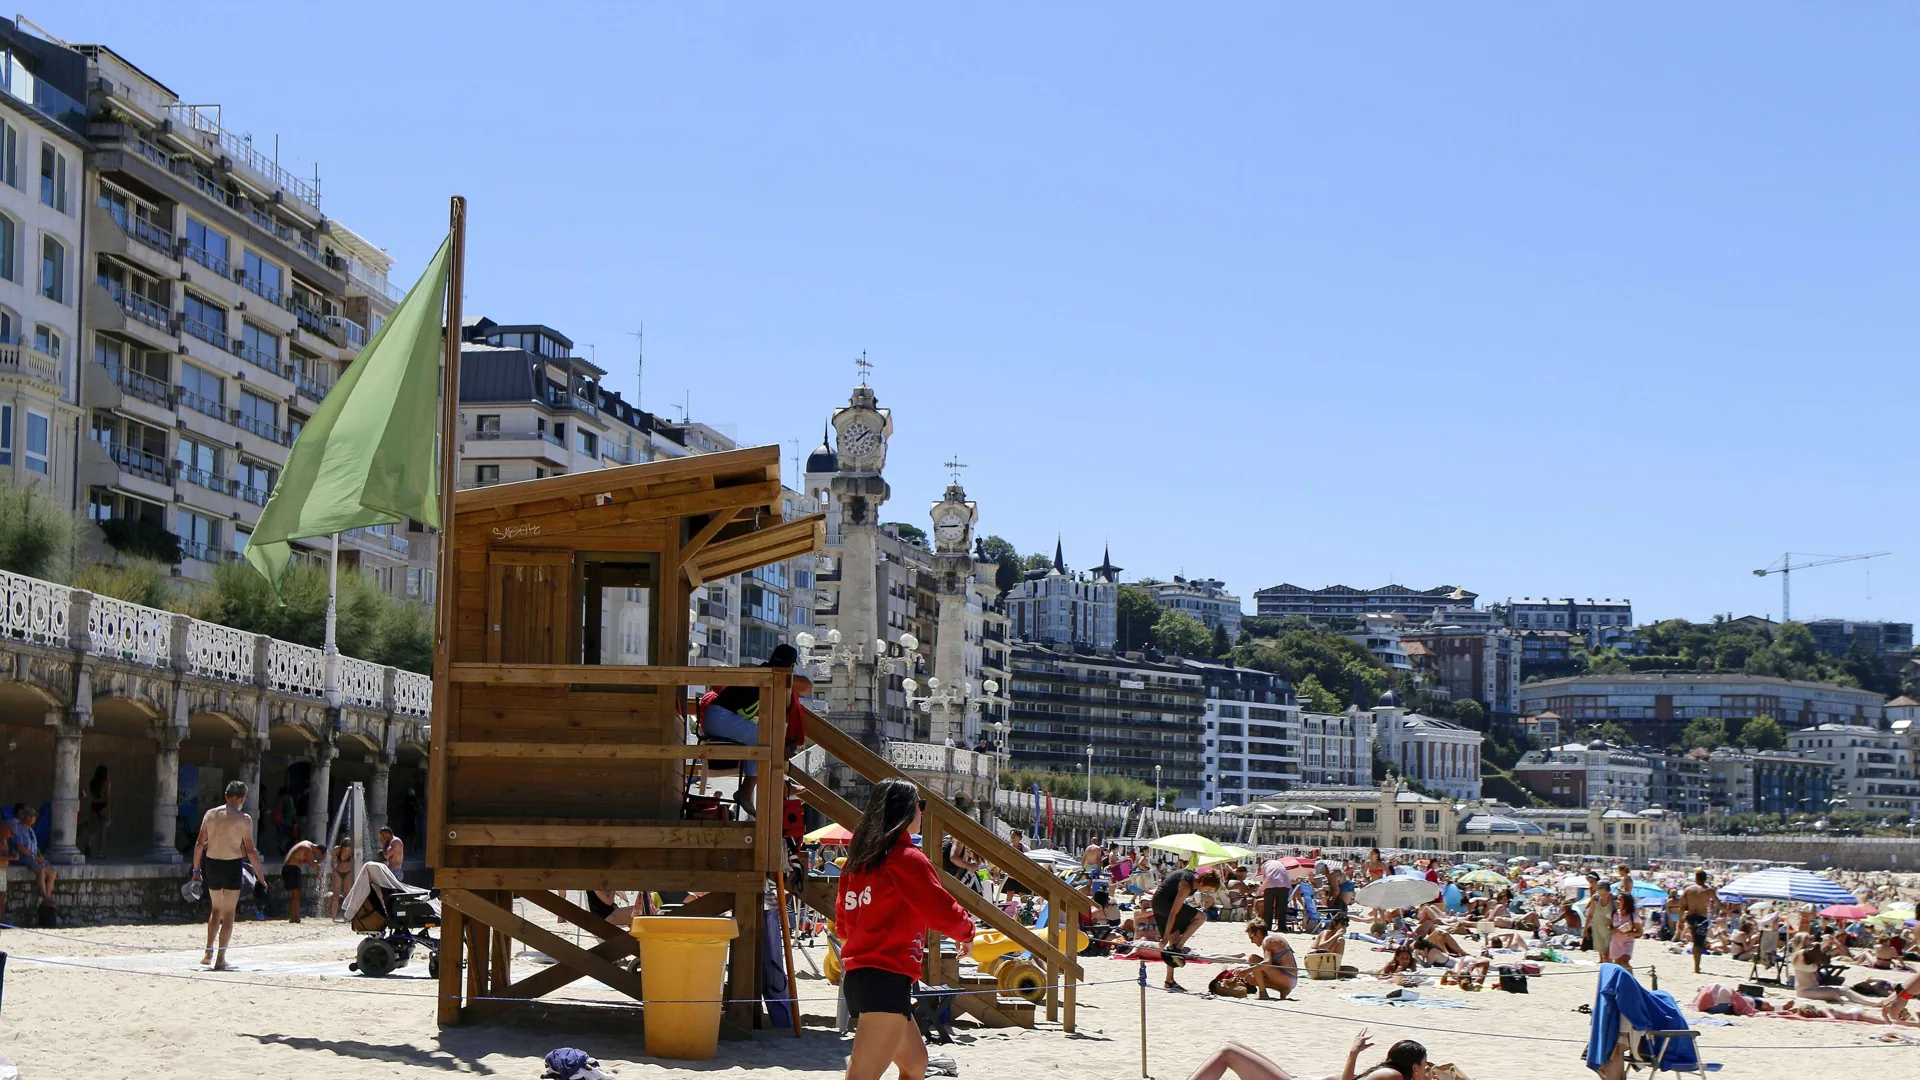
(1697, 902)
(225, 843)
(1178, 919)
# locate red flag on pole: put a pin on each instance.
(1049, 815)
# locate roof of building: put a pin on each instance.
(823, 459)
(1497, 824)
(1442, 592)
(1432, 723)
(1902, 702)
(1655, 677)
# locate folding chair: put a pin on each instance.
(1766, 955)
(1648, 1049)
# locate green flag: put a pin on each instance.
(367, 456)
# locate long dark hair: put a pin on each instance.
(1403, 1057)
(889, 814)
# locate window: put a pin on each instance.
(257, 414)
(6, 434)
(589, 444)
(262, 277)
(53, 179)
(487, 425)
(241, 534)
(1406, 819)
(1364, 817)
(486, 474)
(198, 535)
(39, 440)
(9, 154)
(204, 320)
(201, 388)
(255, 481)
(47, 340)
(1433, 817)
(206, 247)
(9, 257)
(259, 347)
(199, 462)
(53, 269)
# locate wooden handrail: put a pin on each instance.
(977, 837)
(843, 813)
(615, 675)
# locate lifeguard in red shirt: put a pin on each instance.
(889, 898)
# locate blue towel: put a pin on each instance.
(1620, 995)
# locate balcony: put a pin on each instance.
(212, 553)
(266, 429)
(251, 494)
(309, 319)
(44, 97)
(313, 389)
(145, 387)
(205, 185)
(28, 362)
(355, 333)
(207, 259)
(212, 481)
(207, 406)
(139, 463)
(264, 291)
(138, 307)
(209, 334)
(307, 248)
(146, 232)
(265, 361)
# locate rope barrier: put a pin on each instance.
(167, 948)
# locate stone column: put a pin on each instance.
(166, 796)
(250, 753)
(377, 790)
(319, 786)
(62, 843)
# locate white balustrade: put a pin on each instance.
(128, 631)
(295, 669)
(221, 652)
(36, 610)
(412, 693)
(360, 682)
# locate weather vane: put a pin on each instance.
(864, 366)
(954, 466)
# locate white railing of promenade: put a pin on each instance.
(42, 613)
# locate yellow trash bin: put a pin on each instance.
(683, 964)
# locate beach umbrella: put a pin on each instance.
(1536, 891)
(1397, 892)
(1403, 870)
(1486, 877)
(1192, 844)
(1726, 897)
(1053, 860)
(830, 834)
(1517, 860)
(1893, 915)
(1647, 890)
(1790, 884)
(1849, 911)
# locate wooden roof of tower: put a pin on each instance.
(738, 491)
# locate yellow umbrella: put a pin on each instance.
(1194, 845)
(830, 834)
(1485, 877)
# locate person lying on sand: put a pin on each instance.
(1406, 1060)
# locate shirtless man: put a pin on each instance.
(393, 851)
(293, 874)
(226, 841)
(1696, 902)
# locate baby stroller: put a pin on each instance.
(396, 917)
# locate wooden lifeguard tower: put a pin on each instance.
(559, 744)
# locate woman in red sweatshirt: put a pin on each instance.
(889, 898)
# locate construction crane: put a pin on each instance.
(1785, 566)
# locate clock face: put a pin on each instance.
(859, 440)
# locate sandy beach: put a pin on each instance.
(133, 1001)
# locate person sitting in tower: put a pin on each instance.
(732, 714)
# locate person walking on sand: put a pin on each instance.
(225, 843)
(1696, 902)
(293, 873)
(889, 897)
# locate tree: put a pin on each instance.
(1470, 712)
(369, 624)
(913, 533)
(1036, 561)
(1177, 634)
(1612, 732)
(1221, 646)
(1136, 613)
(997, 549)
(1007, 574)
(1315, 697)
(1707, 731)
(1763, 733)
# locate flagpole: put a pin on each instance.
(445, 587)
(330, 664)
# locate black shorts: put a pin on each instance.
(1172, 922)
(873, 990)
(218, 874)
(291, 877)
(1698, 925)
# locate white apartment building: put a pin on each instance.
(1058, 607)
(1876, 767)
(1381, 636)
(1206, 599)
(1587, 774)
(42, 192)
(1251, 734)
(1441, 755)
(1336, 748)
(219, 306)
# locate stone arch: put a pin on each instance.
(34, 683)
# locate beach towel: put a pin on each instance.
(1408, 1002)
(1619, 995)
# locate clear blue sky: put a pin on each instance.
(1609, 302)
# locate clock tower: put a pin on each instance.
(953, 521)
(857, 490)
